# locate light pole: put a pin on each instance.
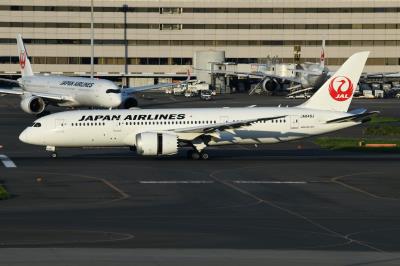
(91, 40)
(125, 10)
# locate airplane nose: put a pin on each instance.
(117, 101)
(23, 136)
(26, 137)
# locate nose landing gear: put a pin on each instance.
(52, 149)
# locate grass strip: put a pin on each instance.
(382, 130)
(3, 193)
(375, 119)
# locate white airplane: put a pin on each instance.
(304, 77)
(38, 91)
(164, 131)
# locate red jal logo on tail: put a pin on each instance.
(341, 88)
(22, 59)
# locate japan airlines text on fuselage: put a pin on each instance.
(163, 131)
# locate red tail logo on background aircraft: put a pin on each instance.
(341, 88)
(22, 59)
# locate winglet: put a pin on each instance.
(338, 90)
(24, 63)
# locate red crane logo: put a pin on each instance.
(341, 88)
(22, 59)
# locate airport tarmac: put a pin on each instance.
(285, 204)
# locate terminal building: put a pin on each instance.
(144, 40)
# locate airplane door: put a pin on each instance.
(294, 121)
(59, 123)
(223, 119)
(117, 126)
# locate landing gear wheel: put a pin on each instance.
(204, 156)
(54, 155)
(195, 155)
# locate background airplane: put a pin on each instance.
(163, 131)
(302, 77)
(39, 91)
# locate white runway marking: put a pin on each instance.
(6, 161)
(267, 182)
(178, 182)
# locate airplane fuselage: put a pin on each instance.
(78, 91)
(104, 128)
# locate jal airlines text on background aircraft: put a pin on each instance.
(163, 131)
(38, 91)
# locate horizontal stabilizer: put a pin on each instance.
(356, 117)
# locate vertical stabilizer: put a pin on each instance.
(24, 63)
(322, 59)
(338, 90)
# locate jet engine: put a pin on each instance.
(153, 143)
(33, 105)
(270, 85)
(129, 103)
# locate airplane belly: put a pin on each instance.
(87, 138)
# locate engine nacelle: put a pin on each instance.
(129, 103)
(153, 143)
(33, 105)
(270, 85)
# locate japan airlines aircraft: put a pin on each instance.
(163, 131)
(38, 91)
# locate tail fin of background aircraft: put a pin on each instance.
(338, 90)
(24, 63)
(322, 58)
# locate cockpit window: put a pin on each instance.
(37, 125)
(113, 91)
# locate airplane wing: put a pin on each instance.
(47, 96)
(381, 74)
(267, 75)
(357, 115)
(53, 97)
(13, 91)
(10, 81)
(224, 126)
(130, 90)
(300, 91)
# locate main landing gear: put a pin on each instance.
(195, 155)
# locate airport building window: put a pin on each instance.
(170, 10)
(182, 61)
(198, 26)
(177, 10)
(170, 26)
(207, 43)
